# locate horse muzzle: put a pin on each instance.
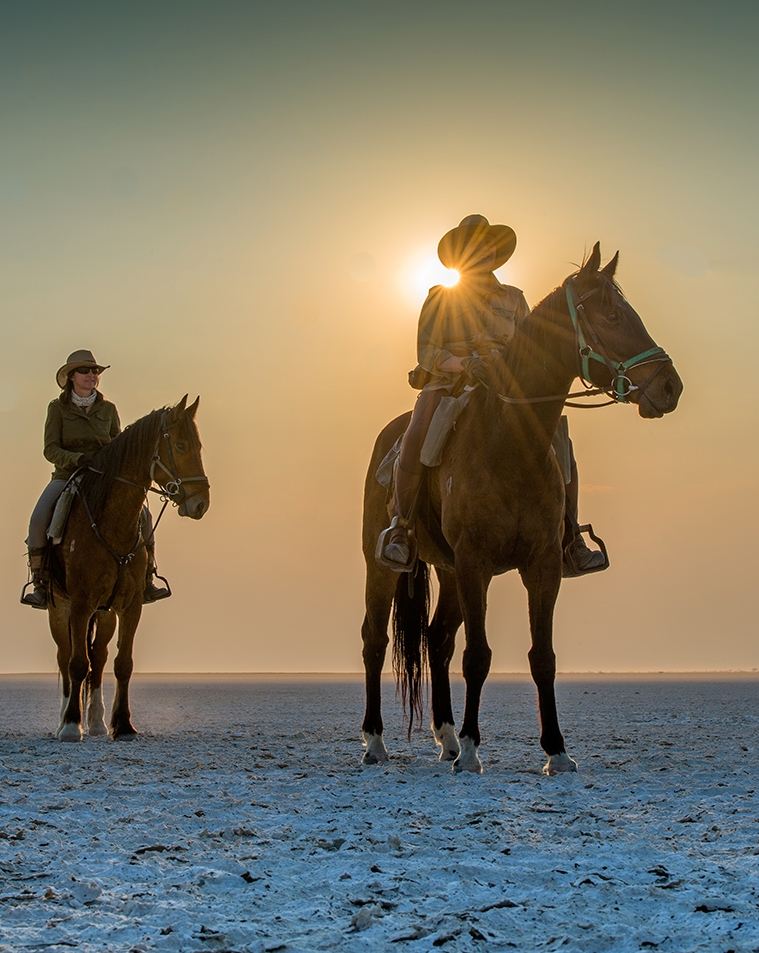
(660, 393)
(196, 505)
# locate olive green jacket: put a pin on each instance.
(70, 432)
(469, 317)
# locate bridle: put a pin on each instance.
(175, 484)
(621, 386)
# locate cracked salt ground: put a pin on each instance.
(241, 820)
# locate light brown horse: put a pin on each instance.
(496, 503)
(98, 569)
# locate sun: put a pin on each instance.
(424, 271)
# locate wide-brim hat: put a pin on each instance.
(78, 359)
(461, 245)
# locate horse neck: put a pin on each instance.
(129, 478)
(539, 362)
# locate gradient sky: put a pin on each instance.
(243, 201)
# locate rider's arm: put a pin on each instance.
(430, 346)
(61, 458)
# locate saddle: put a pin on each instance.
(62, 509)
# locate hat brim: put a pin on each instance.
(62, 374)
(457, 246)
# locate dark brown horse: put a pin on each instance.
(99, 567)
(496, 503)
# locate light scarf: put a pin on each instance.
(83, 401)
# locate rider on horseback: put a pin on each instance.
(474, 317)
(79, 422)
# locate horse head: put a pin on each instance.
(616, 351)
(178, 457)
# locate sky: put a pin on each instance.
(242, 200)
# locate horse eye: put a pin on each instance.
(181, 447)
(612, 317)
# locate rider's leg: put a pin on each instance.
(36, 543)
(578, 557)
(398, 543)
(152, 592)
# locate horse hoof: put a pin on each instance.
(372, 758)
(70, 732)
(376, 752)
(445, 736)
(559, 764)
(98, 729)
(459, 767)
(124, 734)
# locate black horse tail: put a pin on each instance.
(90, 643)
(411, 614)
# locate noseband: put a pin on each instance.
(175, 484)
(621, 386)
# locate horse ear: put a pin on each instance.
(593, 263)
(610, 267)
(178, 408)
(193, 408)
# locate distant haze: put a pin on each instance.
(243, 201)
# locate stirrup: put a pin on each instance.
(384, 539)
(26, 600)
(570, 569)
(151, 593)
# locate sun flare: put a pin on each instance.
(427, 271)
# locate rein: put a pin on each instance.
(621, 386)
(168, 492)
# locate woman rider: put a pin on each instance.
(476, 316)
(79, 422)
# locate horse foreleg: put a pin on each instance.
(543, 589)
(441, 643)
(472, 590)
(78, 667)
(105, 627)
(121, 719)
(380, 588)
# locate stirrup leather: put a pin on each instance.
(395, 528)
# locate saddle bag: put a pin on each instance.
(442, 423)
(61, 512)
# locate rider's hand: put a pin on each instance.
(476, 370)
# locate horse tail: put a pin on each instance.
(411, 613)
(90, 644)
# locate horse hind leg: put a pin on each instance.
(105, 624)
(440, 646)
(58, 619)
(380, 587)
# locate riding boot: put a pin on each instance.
(397, 546)
(37, 598)
(579, 559)
(152, 592)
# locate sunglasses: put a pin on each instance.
(87, 370)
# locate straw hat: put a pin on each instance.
(460, 245)
(77, 359)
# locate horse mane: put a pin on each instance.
(531, 337)
(133, 445)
